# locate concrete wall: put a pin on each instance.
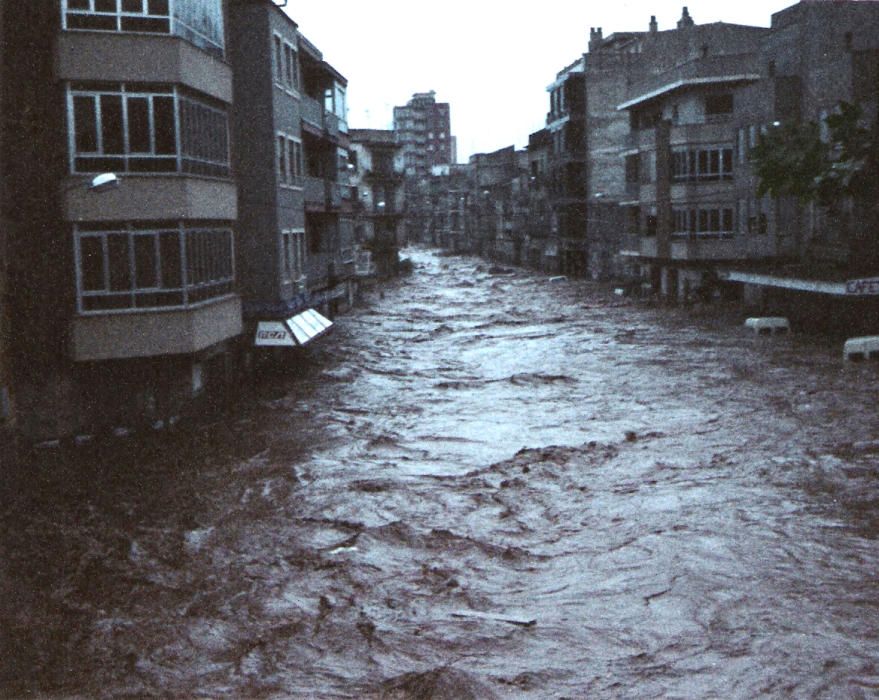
(146, 197)
(152, 334)
(254, 151)
(104, 56)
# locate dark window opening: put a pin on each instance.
(719, 105)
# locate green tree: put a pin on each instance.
(792, 160)
(839, 172)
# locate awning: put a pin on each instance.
(295, 331)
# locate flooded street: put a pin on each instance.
(479, 486)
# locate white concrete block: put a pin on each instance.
(767, 325)
(862, 348)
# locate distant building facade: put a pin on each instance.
(712, 92)
(423, 128)
(377, 176)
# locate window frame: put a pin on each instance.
(289, 170)
(184, 131)
(292, 255)
(195, 257)
(704, 222)
(175, 25)
(286, 72)
(712, 164)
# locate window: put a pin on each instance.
(758, 221)
(292, 255)
(718, 106)
(279, 59)
(290, 165)
(127, 129)
(633, 174)
(703, 222)
(129, 267)
(286, 64)
(709, 164)
(198, 21)
(204, 138)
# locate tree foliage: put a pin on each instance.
(793, 160)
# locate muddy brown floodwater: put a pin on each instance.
(480, 486)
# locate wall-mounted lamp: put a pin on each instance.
(99, 183)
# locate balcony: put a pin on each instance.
(315, 193)
(333, 194)
(717, 248)
(155, 333)
(149, 197)
(331, 125)
(325, 195)
(313, 113)
(383, 175)
(716, 70)
(119, 58)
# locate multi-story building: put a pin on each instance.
(290, 159)
(456, 196)
(122, 304)
(491, 206)
(712, 91)
(423, 128)
(540, 246)
(681, 150)
(815, 56)
(566, 125)
(377, 162)
(586, 180)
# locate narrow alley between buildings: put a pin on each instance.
(482, 485)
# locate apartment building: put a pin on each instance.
(681, 151)
(694, 121)
(122, 304)
(540, 244)
(377, 170)
(815, 56)
(423, 128)
(586, 178)
(290, 156)
(491, 206)
(566, 125)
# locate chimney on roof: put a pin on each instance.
(594, 38)
(685, 20)
(654, 27)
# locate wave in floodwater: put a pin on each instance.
(480, 486)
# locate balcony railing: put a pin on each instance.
(334, 194)
(331, 124)
(314, 191)
(312, 112)
(715, 248)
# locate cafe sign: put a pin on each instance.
(862, 288)
(274, 334)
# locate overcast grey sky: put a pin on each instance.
(491, 59)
